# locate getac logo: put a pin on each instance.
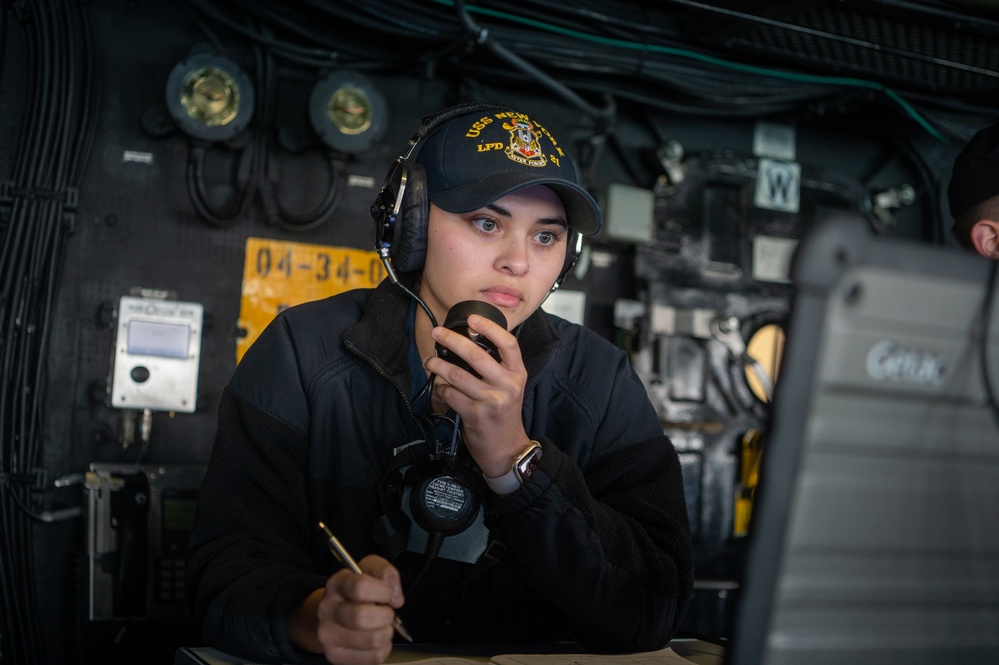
(887, 361)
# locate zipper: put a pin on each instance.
(405, 398)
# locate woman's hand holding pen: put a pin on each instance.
(354, 616)
(357, 614)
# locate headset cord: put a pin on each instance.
(452, 452)
(434, 541)
(390, 271)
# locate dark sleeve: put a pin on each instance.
(249, 564)
(605, 537)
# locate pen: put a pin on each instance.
(340, 552)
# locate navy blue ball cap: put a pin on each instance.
(472, 160)
(975, 176)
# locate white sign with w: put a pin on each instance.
(778, 185)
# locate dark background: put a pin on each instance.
(879, 95)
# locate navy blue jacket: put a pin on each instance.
(595, 547)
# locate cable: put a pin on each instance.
(267, 188)
(482, 37)
(761, 375)
(881, 47)
(244, 183)
(635, 52)
(716, 61)
(434, 541)
(279, 216)
(287, 50)
(933, 226)
(632, 52)
(452, 452)
(255, 172)
(55, 134)
(409, 292)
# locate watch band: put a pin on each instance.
(522, 468)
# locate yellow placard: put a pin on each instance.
(278, 274)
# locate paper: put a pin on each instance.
(210, 656)
(662, 657)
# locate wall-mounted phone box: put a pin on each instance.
(139, 521)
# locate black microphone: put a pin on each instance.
(457, 320)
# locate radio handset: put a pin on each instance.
(130, 518)
(457, 320)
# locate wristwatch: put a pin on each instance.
(523, 466)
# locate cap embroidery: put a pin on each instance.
(524, 148)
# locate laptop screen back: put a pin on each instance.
(875, 534)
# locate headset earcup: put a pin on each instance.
(409, 245)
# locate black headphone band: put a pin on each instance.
(573, 249)
(401, 208)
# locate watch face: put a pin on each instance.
(525, 467)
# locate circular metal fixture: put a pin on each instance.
(349, 109)
(347, 112)
(210, 97)
(766, 348)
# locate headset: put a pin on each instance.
(402, 209)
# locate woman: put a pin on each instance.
(577, 528)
